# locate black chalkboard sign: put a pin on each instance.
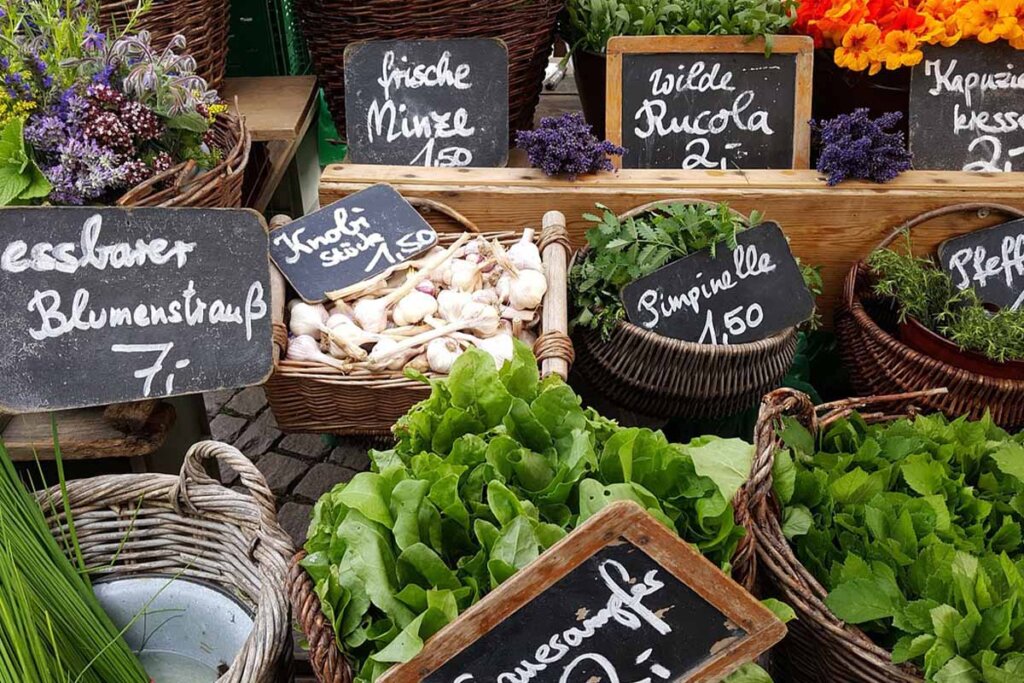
(349, 241)
(427, 102)
(966, 108)
(621, 599)
(105, 305)
(991, 261)
(700, 102)
(729, 297)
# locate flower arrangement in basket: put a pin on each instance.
(89, 118)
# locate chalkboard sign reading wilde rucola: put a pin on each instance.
(726, 297)
(991, 261)
(710, 102)
(105, 305)
(427, 102)
(621, 599)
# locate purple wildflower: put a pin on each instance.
(856, 146)
(94, 40)
(84, 171)
(566, 145)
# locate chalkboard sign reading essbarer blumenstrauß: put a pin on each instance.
(427, 102)
(104, 305)
(729, 297)
(967, 108)
(991, 261)
(699, 102)
(349, 241)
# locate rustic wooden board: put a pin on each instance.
(829, 227)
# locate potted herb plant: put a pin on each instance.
(586, 25)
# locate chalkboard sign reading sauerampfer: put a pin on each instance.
(697, 102)
(106, 305)
(967, 108)
(990, 261)
(427, 102)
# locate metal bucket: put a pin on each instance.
(190, 632)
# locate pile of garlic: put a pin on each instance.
(424, 313)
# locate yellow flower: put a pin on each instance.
(14, 109)
(900, 48)
(858, 48)
(992, 20)
(215, 110)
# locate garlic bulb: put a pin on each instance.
(305, 348)
(346, 339)
(500, 347)
(419, 363)
(503, 287)
(389, 353)
(486, 296)
(306, 319)
(464, 275)
(524, 254)
(450, 304)
(481, 318)
(427, 287)
(527, 289)
(371, 314)
(442, 353)
(413, 308)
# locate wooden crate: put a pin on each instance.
(828, 226)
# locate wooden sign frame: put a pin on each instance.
(801, 46)
(623, 519)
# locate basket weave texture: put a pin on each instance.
(204, 23)
(526, 26)
(193, 527)
(879, 363)
(819, 647)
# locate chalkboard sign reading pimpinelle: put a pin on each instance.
(349, 241)
(427, 102)
(105, 305)
(729, 297)
(966, 108)
(991, 261)
(710, 102)
(622, 598)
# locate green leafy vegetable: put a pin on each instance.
(20, 178)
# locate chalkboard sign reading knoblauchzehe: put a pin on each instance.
(349, 241)
(967, 108)
(427, 102)
(729, 297)
(991, 261)
(105, 305)
(710, 102)
(622, 598)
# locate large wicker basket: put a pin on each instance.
(193, 527)
(312, 397)
(658, 376)
(526, 26)
(819, 647)
(204, 23)
(879, 363)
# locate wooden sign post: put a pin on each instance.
(965, 108)
(427, 102)
(991, 261)
(622, 598)
(105, 305)
(710, 102)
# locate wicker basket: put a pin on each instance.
(219, 187)
(819, 647)
(190, 525)
(659, 376)
(879, 363)
(204, 23)
(311, 397)
(526, 26)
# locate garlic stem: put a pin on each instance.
(423, 338)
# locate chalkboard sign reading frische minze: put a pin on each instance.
(349, 241)
(729, 297)
(621, 599)
(104, 305)
(991, 261)
(427, 102)
(967, 108)
(710, 102)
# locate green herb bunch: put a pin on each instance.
(588, 24)
(914, 527)
(926, 293)
(492, 469)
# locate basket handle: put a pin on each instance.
(553, 348)
(430, 205)
(278, 299)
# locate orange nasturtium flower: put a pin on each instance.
(992, 20)
(900, 48)
(859, 46)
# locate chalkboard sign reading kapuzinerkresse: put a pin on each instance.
(611, 603)
(105, 305)
(726, 297)
(427, 102)
(349, 241)
(990, 261)
(967, 108)
(709, 103)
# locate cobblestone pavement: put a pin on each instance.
(299, 467)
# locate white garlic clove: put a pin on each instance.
(450, 304)
(307, 319)
(442, 354)
(413, 308)
(527, 289)
(524, 254)
(371, 314)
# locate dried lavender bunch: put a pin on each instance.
(566, 145)
(859, 147)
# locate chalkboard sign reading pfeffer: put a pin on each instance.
(105, 305)
(621, 599)
(967, 108)
(427, 102)
(990, 261)
(699, 102)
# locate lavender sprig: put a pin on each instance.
(566, 145)
(859, 147)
